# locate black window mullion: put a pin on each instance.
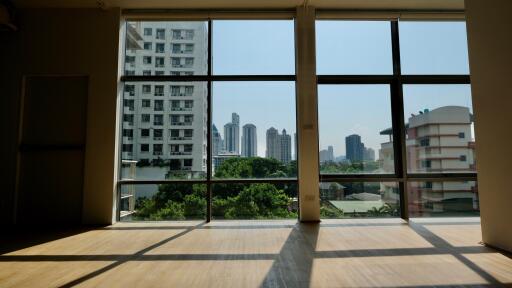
(209, 129)
(397, 114)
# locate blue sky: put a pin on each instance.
(343, 47)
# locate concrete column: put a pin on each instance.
(307, 118)
(490, 44)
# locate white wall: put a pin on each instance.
(489, 26)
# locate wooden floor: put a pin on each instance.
(337, 253)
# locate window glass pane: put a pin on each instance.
(168, 138)
(149, 202)
(359, 199)
(175, 48)
(433, 48)
(440, 131)
(253, 47)
(353, 47)
(254, 201)
(446, 199)
(253, 130)
(355, 129)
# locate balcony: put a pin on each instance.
(157, 153)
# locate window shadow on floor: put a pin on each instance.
(292, 266)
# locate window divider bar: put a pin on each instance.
(435, 79)
(205, 181)
(442, 176)
(398, 125)
(204, 78)
(209, 128)
(355, 79)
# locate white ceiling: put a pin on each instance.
(250, 4)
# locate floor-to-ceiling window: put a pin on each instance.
(208, 120)
(208, 125)
(396, 133)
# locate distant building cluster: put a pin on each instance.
(356, 151)
(327, 155)
(278, 146)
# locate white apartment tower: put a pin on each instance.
(167, 120)
(249, 147)
(232, 135)
(438, 141)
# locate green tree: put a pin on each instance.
(259, 201)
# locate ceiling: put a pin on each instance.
(249, 4)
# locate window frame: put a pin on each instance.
(209, 78)
(396, 81)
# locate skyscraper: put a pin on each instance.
(279, 146)
(272, 143)
(232, 135)
(296, 147)
(327, 155)
(249, 148)
(217, 144)
(166, 122)
(369, 154)
(285, 147)
(354, 148)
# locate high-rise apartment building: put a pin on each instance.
(272, 142)
(369, 154)
(438, 141)
(249, 147)
(232, 135)
(327, 155)
(161, 120)
(279, 146)
(285, 147)
(217, 143)
(354, 148)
